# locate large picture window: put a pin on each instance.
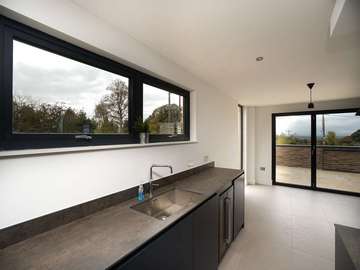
(55, 94)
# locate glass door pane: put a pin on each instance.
(338, 151)
(293, 150)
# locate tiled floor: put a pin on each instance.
(289, 228)
(325, 179)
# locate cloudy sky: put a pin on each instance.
(50, 78)
(342, 124)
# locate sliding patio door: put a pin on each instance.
(317, 150)
(338, 151)
(293, 150)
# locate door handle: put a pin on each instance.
(228, 221)
(83, 137)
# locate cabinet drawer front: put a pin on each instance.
(172, 250)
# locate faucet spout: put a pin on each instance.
(151, 175)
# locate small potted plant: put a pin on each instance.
(142, 127)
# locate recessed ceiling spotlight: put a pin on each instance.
(260, 58)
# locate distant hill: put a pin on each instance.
(356, 136)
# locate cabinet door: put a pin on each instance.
(239, 204)
(230, 213)
(205, 233)
(226, 220)
(171, 251)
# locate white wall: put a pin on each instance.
(263, 131)
(34, 186)
(249, 145)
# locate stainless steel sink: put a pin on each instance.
(167, 203)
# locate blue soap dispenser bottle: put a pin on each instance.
(140, 196)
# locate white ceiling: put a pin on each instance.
(218, 41)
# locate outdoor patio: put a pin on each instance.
(345, 181)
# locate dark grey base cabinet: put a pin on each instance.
(172, 250)
(239, 204)
(226, 220)
(190, 244)
(194, 242)
(205, 234)
(231, 214)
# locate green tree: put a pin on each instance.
(286, 139)
(169, 113)
(30, 116)
(330, 138)
(102, 118)
(356, 136)
(74, 122)
(111, 113)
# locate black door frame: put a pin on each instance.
(313, 115)
(241, 111)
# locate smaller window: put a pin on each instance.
(164, 111)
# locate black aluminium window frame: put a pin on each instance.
(11, 30)
(149, 80)
(241, 112)
(313, 115)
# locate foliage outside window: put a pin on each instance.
(163, 111)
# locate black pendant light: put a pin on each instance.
(311, 104)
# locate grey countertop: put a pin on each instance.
(351, 240)
(99, 240)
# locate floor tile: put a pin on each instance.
(290, 229)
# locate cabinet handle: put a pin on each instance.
(83, 137)
(227, 220)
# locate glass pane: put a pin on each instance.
(338, 151)
(54, 94)
(293, 149)
(163, 110)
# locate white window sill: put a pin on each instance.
(65, 150)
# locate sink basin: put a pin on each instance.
(167, 203)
